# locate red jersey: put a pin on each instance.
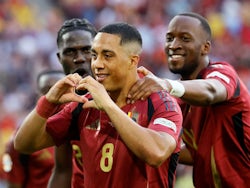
(218, 136)
(108, 162)
(77, 166)
(30, 171)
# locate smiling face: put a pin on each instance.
(186, 45)
(74, 52)
(111, 62)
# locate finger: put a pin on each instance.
(89, 104)
(71, 97)
(134, 89)
(83, 86)
(70, 80)
(88, 79)
(74, 78)
(142, 70)
(142, 95)
(142, 92)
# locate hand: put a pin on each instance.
(145, 86)
(101, 98)
(64, 90)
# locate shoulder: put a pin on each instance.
(222, 71)
(222, 66)
(162, 95)
(227, 75)
(163, 98)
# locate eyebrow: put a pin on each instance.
(103, 51)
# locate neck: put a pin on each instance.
(196, 71)
(120, 96)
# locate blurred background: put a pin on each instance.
(28, 30)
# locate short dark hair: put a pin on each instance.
(204, 22)
(75, 24)
(48, 72)
(127, 32)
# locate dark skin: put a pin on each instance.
(74, 52)
(187, 48)
(74, 55)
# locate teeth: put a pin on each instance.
(176, 56)
(170, 52)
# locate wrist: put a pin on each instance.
(45, 108)
(176, 88)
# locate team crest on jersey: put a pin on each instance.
(133, 115)
(166, 123)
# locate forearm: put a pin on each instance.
(185, 156)
(201, 92)
(62, 172)
(151, 146)
(60, 179)
(32, 135)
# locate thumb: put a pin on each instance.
(89, 104)
(142, 70)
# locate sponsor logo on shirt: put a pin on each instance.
(94, 126)
(166, 123)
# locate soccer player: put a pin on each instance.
(215, 105)
(133, 145)
(74, 40)
(29, 171)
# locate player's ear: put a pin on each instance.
(134, 60)
(206, 48)
(58, 56)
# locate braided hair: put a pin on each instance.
(75, 24)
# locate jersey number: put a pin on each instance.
(106, 162)
(78, 154)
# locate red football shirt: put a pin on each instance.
(77, 173)
(218, 135)
(107, 160)
(30, 171)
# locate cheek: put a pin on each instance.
(92, 65)
(88, 58)
(119, 74)
(92, 68)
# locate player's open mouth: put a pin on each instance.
(82, 72)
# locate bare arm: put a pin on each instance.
(62, 172)
(185, 156)
(197, 92)
(203, 92)
(32, 135)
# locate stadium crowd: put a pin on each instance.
(28, 32)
